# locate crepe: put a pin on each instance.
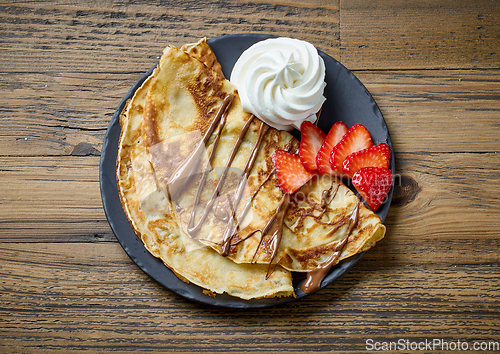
(318, 219)
(197, 182)
(151, 215)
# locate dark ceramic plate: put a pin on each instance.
(346, 99)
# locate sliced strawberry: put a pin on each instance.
(333, 137)
(356, 139)
(374, 156)
(311, 139)
(290, 172)
(373, 184)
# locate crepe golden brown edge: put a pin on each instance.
(312, 229)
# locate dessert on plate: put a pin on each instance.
(214, 184)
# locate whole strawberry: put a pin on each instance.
(373, 184)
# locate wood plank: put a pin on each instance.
(446, 195)
(55, 199)
(426, 110)
(50, 114)
(67, 297)
(434, 70)
(97, 36)
(392, 34)
(420, 34)
(52, 198)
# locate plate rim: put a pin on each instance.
(149, 263)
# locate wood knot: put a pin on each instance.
(405, 190)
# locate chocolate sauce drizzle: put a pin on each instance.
(233, 226)
(193, 228)
(316, 275)
(185, 171)
(274, 227)
(231, 231)
(329, 194)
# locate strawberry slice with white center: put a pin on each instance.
(374, 156)
(373, 184)
(311, 139)
(356, 139)
(337, 131)
(290, 172)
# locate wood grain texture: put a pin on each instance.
(439, 111)
(50, 201)
(115, 36)
(451, 198)
(70, 297)
(420, 34)
(50, 114)
(66, 285)
(51, 198)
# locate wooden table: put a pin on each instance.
(433, 66)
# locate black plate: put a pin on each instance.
(346, 99)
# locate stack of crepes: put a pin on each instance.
(197, 182)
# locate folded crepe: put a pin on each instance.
(197, 182)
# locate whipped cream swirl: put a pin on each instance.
(281, 81)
